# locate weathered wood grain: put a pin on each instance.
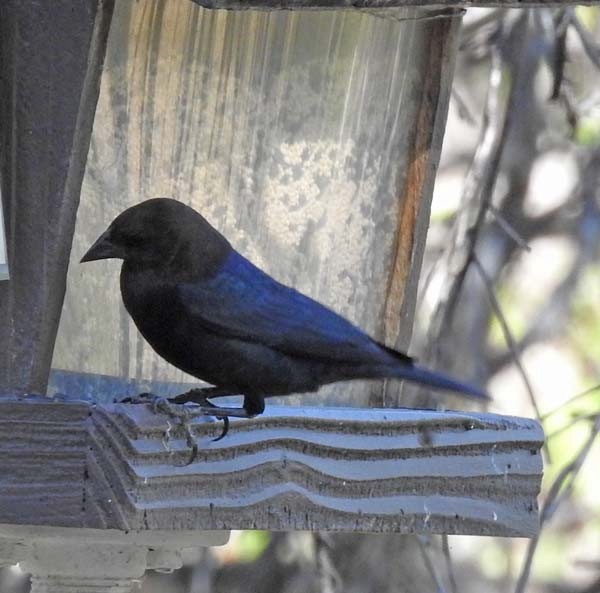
(376, 4)
(74, 464)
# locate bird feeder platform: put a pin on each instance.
(341, 469)
(122, 466)
(117, 474)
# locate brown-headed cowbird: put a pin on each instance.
(210, 312)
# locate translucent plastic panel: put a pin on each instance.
(285, 130)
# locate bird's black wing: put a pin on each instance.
(243, 302)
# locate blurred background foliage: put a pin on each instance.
(517, 209)
(538, 244)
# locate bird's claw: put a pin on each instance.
(225, 429)
(184, 414)
(207, 408)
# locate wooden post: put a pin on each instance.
(51, 56)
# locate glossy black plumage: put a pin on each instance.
(210, 312)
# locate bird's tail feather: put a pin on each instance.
(425, 377)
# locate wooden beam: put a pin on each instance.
(386, 470)
(376, 5)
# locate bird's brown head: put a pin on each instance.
(161, 232)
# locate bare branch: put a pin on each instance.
(329, 578)
(464, 111)
(570, 401)
(591, 48)
(474, 28)
(479, 187)
(575, 420)
(559, 55)
(550, 319)
(429, 565)
(449, 566)
(508, 337)
(508, 228)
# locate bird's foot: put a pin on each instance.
(201, 395)
(171, 411)
(176, 408)
(224, 413)
(159, 404)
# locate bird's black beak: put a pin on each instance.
(102, 249)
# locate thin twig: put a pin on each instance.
(479, 187)
(329, 578)
(551, 318)
(481, 177)
(570, 401)
(592, 416)
(506, 332)
(562, 20)
(559, 55)
(591, 48)
(508, 228)
(470, 30)
(429, 565)
(556, 495)
(449, 565)
(591, 564)
(464, 111)
(572, 108)
(459, 248)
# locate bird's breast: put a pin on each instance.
(150, 300)
(155, 307)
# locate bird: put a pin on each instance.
(210, 312)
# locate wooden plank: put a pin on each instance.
(378, 5)
(338, 469)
